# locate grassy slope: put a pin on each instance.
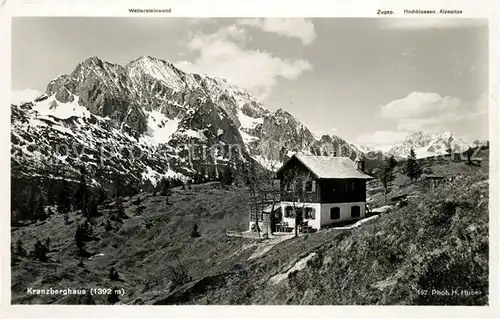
(442, 167)
(429, 244)
(140, 255)
(433, 246)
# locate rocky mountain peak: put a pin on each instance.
(154, 105)
(428, 144)
(93, 60)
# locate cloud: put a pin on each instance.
(382, 140)
(223, 54)
(431, 111)
(23, 96)
(420, 111)
(430, 23)
(419, 104)
(288, 27)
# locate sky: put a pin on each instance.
(370, 81)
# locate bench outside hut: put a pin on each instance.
(267, 219)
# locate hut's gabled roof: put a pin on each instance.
(329, 167)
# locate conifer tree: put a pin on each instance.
(227, 176)
(107, 225)
(39, 213)
(40, 252)
(165, 187)
(82, 193)
(194, 231)
(392, 162)
(64, 198)
(120, 210)
(412, 169)
(101, 195)
(32, 203)
(51, 195)
(93, 210)
(113, 274)
(82, 235)
(19, 250)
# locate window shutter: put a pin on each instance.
(314, 186)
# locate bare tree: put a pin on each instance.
(386, 176)
(469, 153)
(295, 188)
(254, 184)
(260, 180)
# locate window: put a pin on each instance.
(355, 211)
(289, 212)
(335, 213)
(310, 186)
(310, 213)
(277, 214)
(287, 187)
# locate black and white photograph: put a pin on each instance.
(250, 161)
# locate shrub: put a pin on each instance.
(40, 251)
(82, 235)
(119, 209)
(179, 275)
(139, 210)
(107, 225)
(194, 231)
(113, 297)
(19, 249)
(113, 274)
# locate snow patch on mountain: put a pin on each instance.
(194, 134)
(248, 122)
(51, 106)
(247, 138)
(154, 176)
(160, 128)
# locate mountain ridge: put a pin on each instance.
(154, 105)
(427, 144)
